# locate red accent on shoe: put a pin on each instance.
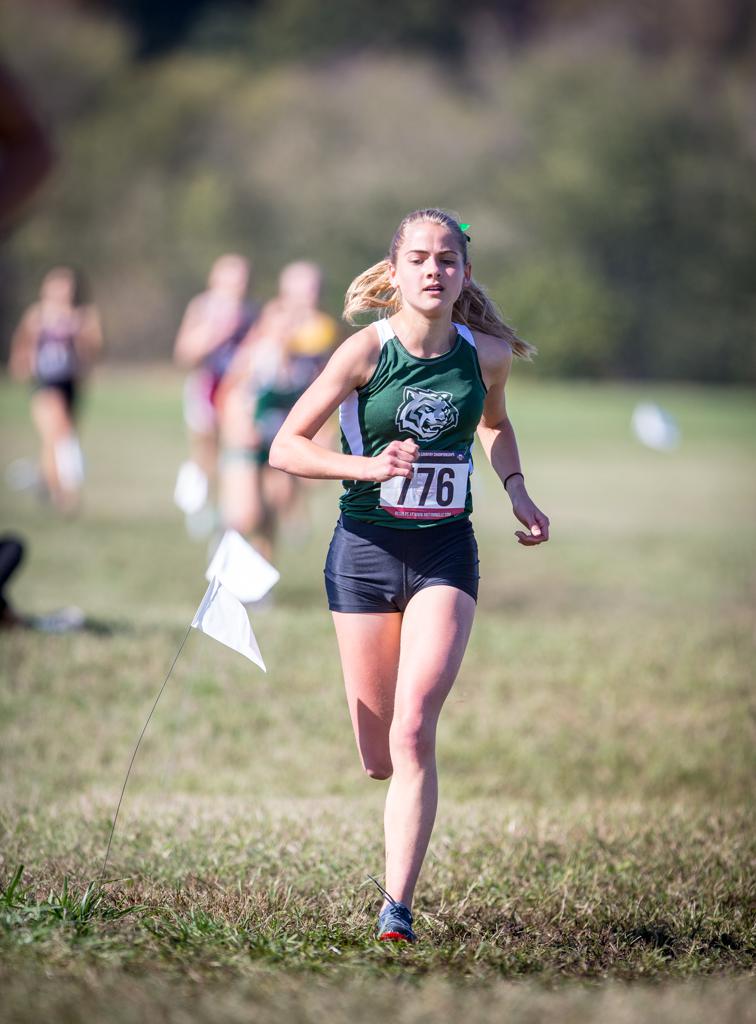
(396, 936)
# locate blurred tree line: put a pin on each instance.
(604, 154)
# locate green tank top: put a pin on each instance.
(435, 402)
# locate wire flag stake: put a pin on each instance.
(136, 748)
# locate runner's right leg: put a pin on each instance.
(54, 424)
(369, 649)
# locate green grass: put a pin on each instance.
(594, 848)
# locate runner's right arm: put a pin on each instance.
(21, 362)
(201, 331)
(293, 449)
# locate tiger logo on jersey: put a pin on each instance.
(426, 413)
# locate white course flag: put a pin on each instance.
(654, 427)
(241, 569)
(223, 617)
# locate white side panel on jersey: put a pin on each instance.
(349, 421)
(385, 331)
(466, 333)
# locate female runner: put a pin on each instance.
(411, 389)
(283, 353)
(55, 344)
(214, 325)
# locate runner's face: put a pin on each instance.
(429, 272)
(230, 276)
(300, 285)
(58, 288)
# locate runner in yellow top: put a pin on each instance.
(281, 356)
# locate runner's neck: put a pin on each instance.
(424, 338)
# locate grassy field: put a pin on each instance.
(594, 851)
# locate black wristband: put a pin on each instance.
(516, 473)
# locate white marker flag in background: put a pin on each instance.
(223, 617)
(241, 569)
(654, 427)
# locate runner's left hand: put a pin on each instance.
(532, 517)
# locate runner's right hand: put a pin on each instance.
(395, 460)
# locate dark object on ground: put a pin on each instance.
(11, 556)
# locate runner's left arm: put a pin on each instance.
(89, 340)
(497, 437)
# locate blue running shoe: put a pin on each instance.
(394, 921)
(395, 924)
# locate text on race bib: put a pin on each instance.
(437, 488)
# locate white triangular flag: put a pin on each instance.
(223, 617)
(241, 569)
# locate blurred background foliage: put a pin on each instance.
(604, 153)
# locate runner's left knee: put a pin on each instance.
(412, 739)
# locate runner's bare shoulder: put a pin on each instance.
(358, 356)
(494, 355)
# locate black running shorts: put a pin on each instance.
(378, 569)
(67, 389)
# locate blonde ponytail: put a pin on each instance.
(373, 289)
(477, 311)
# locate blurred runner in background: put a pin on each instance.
(280, 357)
(55, 345)
(214, 325)
(26, 159)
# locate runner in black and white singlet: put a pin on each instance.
(402, 568)
(55, 344)
(56, 362)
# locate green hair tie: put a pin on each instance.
(464, 227)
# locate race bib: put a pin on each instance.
(55, 361)
(437, 488)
